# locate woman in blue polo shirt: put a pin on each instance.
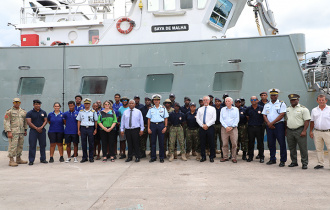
(56, 131)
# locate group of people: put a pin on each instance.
(197, 130)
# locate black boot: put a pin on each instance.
(244, 156)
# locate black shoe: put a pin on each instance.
(83, 160)
(262, 160)
(318, 167)
(304, 167)
(137, 160)
(43, 161)
(161, 160)
(128, 160)
(73, 155)
(61, 159)
(202, 159)
(51, 160)
(282, 164)
(108, 156)
(122, 156)
(258, 157)
(152, 160)
(91, 160)
(249, 160)
(30, 163)
(271, 162)
(244, 156)
(230, 157)
(115, 157)
(143, 154)
(211, 160)
(293, 164)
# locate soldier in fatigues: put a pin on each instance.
(176, 132)
(192, 140)
(15, 126)
(167, 103)
(243, 140)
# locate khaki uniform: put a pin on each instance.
(295, 118)
(15, 122)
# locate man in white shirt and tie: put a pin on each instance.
(206, 117)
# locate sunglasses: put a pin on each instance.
(124, 100)
(16, 102)
(254, 99)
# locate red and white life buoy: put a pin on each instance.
(131, 25)
(57, 43)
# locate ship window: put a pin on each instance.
(153, 5)
(31, 85)
(93, 85)
(157, 83)
(186, 4)
(228, 81)
(201, 4)
(93, 36)
(169, 4)
(221, 12)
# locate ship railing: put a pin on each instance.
(35, 14)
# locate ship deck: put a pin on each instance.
(176, 185)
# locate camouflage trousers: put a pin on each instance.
(15, 146)
(176, 133)
(167, 138)
(243, 140)
(192, 141)
(217, 133)
(144, 138)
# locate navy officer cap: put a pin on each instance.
(36, 101)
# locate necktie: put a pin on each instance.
(130, 119)
(204, 116)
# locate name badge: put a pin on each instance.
(241, 112)
(267, 112)
(259, 112)
(42, 115)
(160, 111)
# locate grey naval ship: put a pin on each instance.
(72, 47)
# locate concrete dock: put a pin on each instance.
(171, 185)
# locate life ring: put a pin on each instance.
(131, 25)
(57, 43)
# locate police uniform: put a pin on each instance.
(87, 120)
(272, 111)
(37, 119)
(296, 118)
(15, 123)
(157, 117)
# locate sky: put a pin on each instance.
(311, 17)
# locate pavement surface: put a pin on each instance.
(171, 185)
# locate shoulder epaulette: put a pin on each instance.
(302, 106)
(81, 110)
(93, 110)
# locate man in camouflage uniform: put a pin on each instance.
(15, 126)
(243, 140)
(176, 119)
(167, 103)
(192, 139)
